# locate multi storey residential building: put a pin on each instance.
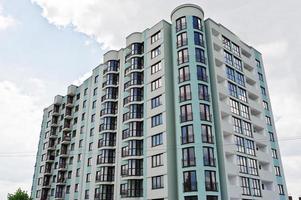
(181, 113)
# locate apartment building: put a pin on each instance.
(181, 113)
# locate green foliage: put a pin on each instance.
(19, 195)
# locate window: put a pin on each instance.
(91, 131)
(210, 180)
(200, 55)
(77, 96)
(157, 120)
(230, 73)
(183, 56)
(83, 116)
(190, 198)
(205, 112)
(85, 91)
(265, 105)
(198, 39)
(274, 154)
(203, 92)
(156, 101)
(186, 113)
(242, 94)
(249, 147)
(89, 162)
(155, 52)
(182, 39)
(207, 136)
(190, 181)
(260, 76)
(86, 194)
(90, 146)
(157, 182)
(156, 67)
(239, 142)
(234, 106)
(157, 139)
(93, 118)
(156, 84)
(237, 126)
(155, 37)
(252, 167)
(272, 138)
(95, 92)
(80, 144)
(245, 185)
(237, 63)
(242, 164)
(77, 172)
(181, 24)
(235, 49)
(184, 74)
(263, 92)
(197, 23)
(94, 104)
(232, 89)
(268, 120)
(79, 157)
(84, 103)
(185, 93)
(255, 186)
(226, 43)
(258, 63)
(209, 159)
(188, 157)
(247, 129)
(240, 79)
(228, 58)
(88, 177)
(201, 73)
(187, 134)
(244, 111)
(76, 187)
(96, 79)
(157, 160)
(281, 189)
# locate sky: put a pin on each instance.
(47, 45)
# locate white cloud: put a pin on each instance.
(20, 119)
(6, 21)
(82, 78)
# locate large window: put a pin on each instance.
(268, 120)
(186, 113)
(210, 180)
(156, 67)
(255, 186)
(185, 93)
(240, 79)
(242, 94)
(244, 111)
(232, 89)
(188, 156)
(242, 164)
(190, 181)
(181, 24)
(207, 136)
(155, 37)
(235, 49)
(155, 52)
(247, 129)
(209, 159)
(198, 39)
(184, 74)
(281, 189)
(202, 74)
(226, 43)
(183, 56)
(228, 58)
(237, 126)
(197, 23)
(187, 134)
(157, 139)
(231, 73)
(156, 101)
(156, 84)
(205, 112)
(157, 160)
(157, 182)
(203, 92)
(200, 55)
(182, 39)
(237, 63)
(157, 120)
(245, 185)
(234, 106)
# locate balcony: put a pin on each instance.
(108, 111)
(109, 83)
(131, 172)
(135, 82)
(66, 139)
(128, 152)
(50, 158)
(61, 181)
(113, 69)
(107, 127)
(104, 195)
(127, 133)
(106, 143)
(113, 97)
(105, 178)
(132, 115)
(133, 98)
(131, 193)
(134, 67)
(105, 160)
(67, 127)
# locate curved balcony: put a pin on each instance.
(134, 67)
(131, 152)
(127, 133)
(132, 98)
(112, 97)
(135, 82)
(132, 115)
(108, 111)
(106, 143)
(110, 84)
(112, 67)
(107, 127)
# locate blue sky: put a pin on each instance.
(47, 45)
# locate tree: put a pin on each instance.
(19, 195)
